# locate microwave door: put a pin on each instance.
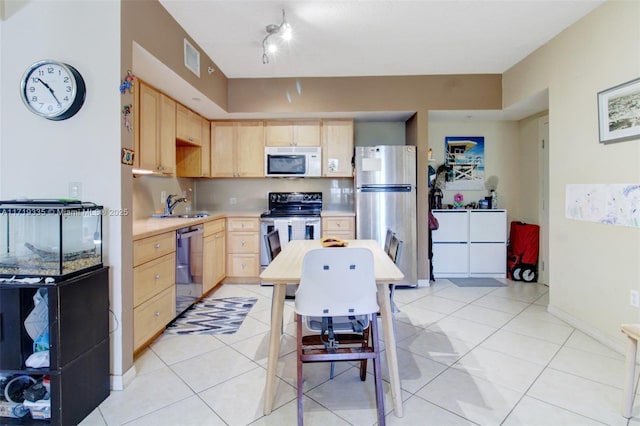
(289, 165)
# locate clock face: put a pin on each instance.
(53, 90)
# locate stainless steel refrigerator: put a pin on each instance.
(385, 184)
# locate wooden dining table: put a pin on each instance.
(286, 268)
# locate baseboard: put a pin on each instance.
(119, 383)
(588, 329)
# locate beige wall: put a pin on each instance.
(39, 157)
(592, 266)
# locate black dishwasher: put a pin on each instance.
(188, 266)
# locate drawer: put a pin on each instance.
(345, 235)
(152, 277)
(243, 265)
(213, 227)
(151, 248)
(337, 224)
(153, 315)
(243, 224)
(243, 242)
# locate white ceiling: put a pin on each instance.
(376, 38)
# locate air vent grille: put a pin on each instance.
(191, 58)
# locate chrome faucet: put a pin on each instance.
(172, 203)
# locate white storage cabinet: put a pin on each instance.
(470, 243)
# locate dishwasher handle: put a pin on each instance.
(189, 232)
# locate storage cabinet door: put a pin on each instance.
(454, 226)
(488, 226)
(488, 258)
(450, 259)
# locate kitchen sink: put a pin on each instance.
(180, 216)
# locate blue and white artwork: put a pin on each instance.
(464, 155)
(610, 204)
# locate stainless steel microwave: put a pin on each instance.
(293, 161)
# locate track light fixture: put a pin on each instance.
(269, 44)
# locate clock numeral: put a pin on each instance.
(32, 89)
(68, 89)
(50, 70)
(34, 99)
(66, 99)
(50, 107)
(65, 80)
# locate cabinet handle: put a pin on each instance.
(157, 313)
(242, 243)
(157, 245)
(157, 277)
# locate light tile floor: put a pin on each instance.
(472, 355)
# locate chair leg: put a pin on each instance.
(377, 371)
(365, 343)
(299, 370)
(627, 403)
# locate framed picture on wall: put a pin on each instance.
(464, 156)
(619, 112)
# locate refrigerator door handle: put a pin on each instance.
(386, 188)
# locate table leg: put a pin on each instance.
(277, 309)
(390, 347)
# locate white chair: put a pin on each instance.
(338, 287)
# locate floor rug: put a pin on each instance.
(477, 282)
(213, 316)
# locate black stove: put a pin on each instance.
(294, 204)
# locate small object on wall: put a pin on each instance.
(127, 156)
(127, 83)
(332, 165)
(126, 112)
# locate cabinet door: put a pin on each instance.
(337, 148)
(214, 260)
(306, 133)
(249, 154)
(188, 125)
(167, 136)
(222, 149)
(450, 259)
(488, 226)
(488, 259)
(149, 106)
(205, 146)
(454, 226)
(278, 133)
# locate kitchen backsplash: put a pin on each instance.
(234, 194)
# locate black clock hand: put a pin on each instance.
(50, 90)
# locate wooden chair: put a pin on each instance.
(633, 334)
(338, 287)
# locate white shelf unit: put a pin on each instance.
(470, 243)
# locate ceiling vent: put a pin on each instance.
(191, 58)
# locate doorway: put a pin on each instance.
(543, 202)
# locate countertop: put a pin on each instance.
(150, 226)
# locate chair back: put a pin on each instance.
(395, 249)
(272, 241)
(337, 282)
(387, 240)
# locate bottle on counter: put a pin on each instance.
(494, 199)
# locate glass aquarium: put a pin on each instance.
(49, 238)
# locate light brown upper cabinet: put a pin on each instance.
(156, 131)
(205, 127)
(292, 133)
(337, 148)
(188, 126)
(237, 149)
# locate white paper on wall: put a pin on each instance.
(371, 165)
(612, 204)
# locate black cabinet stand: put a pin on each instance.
(78, 343)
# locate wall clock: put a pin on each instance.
(53, 90)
